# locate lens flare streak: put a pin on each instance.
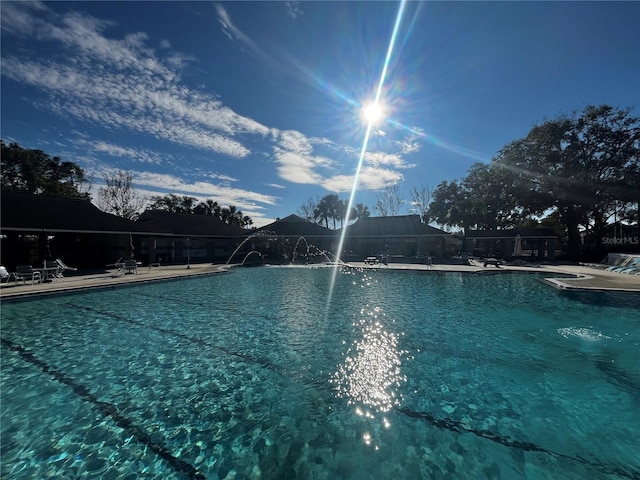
(365, 143)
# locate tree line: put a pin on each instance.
(575, 172)
(389, 202)
(35, 172)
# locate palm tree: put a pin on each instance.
(361, 211)
(321, 212)
(227, 214)
(209, 207)
(329, 207)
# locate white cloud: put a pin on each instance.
(220, 176)
(18, 18)
(382, 158)
(223, 194)
(295, 160)
(297, 168)
(229, 28)
(370, 178)
(410, 143)
(139, 91)
(135, 155)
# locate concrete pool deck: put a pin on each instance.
(586, 278)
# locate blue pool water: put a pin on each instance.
(252, 375)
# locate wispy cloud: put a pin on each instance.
(298, 161)
(131, 154)
(293, 9)
(140, 91)
(410, 143)
(223, 194)
(295, 159)
(388, 159)
(230, 29)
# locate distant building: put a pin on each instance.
(186, 238)
(536, 243)
(35, 228)
(294, 239)
(401, 237)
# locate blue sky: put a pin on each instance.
(258, 104)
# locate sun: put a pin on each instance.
(372, 113)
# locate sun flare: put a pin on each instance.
(373, 113)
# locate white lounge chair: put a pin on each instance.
(5, 276)
(62, 267)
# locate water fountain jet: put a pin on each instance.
(252, 252)
(261, 233)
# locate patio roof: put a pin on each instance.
(22, 212)
(39, 213)
(187, 225)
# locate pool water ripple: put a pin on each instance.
(245, 377)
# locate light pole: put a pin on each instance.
(188, 255)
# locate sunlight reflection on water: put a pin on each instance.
(371, 373)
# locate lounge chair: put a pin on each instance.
(629, 265)
(62, 267)
(130, 266)
(5, 276)
(26, 272)
(51, 270)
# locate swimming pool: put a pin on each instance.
(253, 375)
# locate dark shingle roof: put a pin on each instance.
(185, 224)
(392, 226)
(26, 212)
(36, 213)
(294, 225)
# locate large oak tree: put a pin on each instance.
(581, 168)
(34, 171)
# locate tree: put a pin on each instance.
(449, 205)
(119, 196)
(233, 216)
(208, 207)
(485, 199)
(35, 172)
(420, 200)
(329, 208)
(341, 212)
(172, 203)
(308, 209)
(389, 201)
(580, 166)
(361, 211)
